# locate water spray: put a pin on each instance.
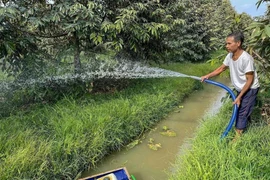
(120, 70)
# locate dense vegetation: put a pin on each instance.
(44, 39)
(46, 47)
(248, 157)
(212, 158)
(58, 141)
(36, 35)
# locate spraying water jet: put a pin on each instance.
(121, 70)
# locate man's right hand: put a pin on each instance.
(204, 78)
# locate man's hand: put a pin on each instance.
(237, 101)
(249, 77)
(204, 78)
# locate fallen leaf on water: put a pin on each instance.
(133, 144)
(154, 147)
(165, 128)
(169, 133)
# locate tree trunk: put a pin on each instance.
(77, 60)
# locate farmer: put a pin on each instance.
(243, 77)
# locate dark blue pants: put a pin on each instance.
(244, 111)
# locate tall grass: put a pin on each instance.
(211, 158)
(59, 141)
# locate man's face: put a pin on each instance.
(231, 45)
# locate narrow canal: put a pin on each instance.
(148, 164)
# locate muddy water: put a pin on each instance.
(147, 164)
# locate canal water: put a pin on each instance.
(148, 164)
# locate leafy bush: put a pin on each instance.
(58, 141)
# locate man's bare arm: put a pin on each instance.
(216, 72)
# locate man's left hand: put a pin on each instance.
(237, 101)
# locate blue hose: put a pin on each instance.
(235, 107)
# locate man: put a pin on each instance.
(243, 77)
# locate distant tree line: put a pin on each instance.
(36, 35)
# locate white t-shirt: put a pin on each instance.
(238, 69)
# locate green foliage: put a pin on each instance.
(239, 23)
(138, 29)
(259, 46)
(260, 2)
(226, 20)
(217, 57)
(22, 97)
(207, 23)
(259, 42)
(60, 140)
(190, 41)
(17, 49)
(38, 32)
(210, 158)
(47, 31)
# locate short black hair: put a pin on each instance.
(238, 36)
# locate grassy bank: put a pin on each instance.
(60, 140)
(211, 159)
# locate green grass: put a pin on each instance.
(210, 159)
(59, 141)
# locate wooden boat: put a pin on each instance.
(116, 174)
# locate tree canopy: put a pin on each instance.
(40, 37)
(35, 34)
